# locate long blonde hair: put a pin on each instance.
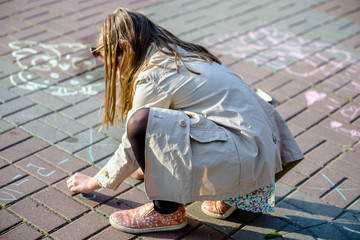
(123, 42)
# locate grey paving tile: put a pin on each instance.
(82, 108)
(5, 126)
(45, 132)
(6, 95)
(115, 132)
(28, 114)
(14, 106)
(327, 231)
(348, 224)
(313, 205)
(63, 123)
(99, 151)
(80, 141)
(93, 119)
(49, 100)
(260, 227)
(296, 216)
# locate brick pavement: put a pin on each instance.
(305, 54)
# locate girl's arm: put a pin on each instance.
(82, 183)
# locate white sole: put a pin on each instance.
(214, 215)
(147, 230)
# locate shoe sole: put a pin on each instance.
(147, 230)
(214, 215)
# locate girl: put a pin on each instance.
(196, 129)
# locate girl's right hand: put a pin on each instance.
(82, 183)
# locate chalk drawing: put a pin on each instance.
(313, 96)
(338, 190)
(40, 169)
(338, 126)
(350, 112)
(9, 191)
(52, 60)
(277, 50)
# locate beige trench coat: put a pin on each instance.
(218, 140)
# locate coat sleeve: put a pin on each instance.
(123, 162)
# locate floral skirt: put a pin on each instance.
(260, 200)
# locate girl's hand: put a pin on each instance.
(82, 183)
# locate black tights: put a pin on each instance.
(136, 131)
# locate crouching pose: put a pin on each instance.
(194, 128)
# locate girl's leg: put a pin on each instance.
(136, 130)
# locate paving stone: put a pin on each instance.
(260, 227)
(352, 156)
(48, 100)
(92, 119)
(326, 231)
(296, 216)
(101, 195)
(321, 183)
(112, 206)
(290, 109)
(27, 115)
(293, 232)
(324, 153)
(41, 169)
(60, 203)
(19, 189)
(134, 198)
(226, 226)
(11, 220)
(63, 123)
(249, 72)
(115, 132)
(83, 227)
(99, 151)
(112, 233)
(335, 132)
(5, 126)
(308, 118)
(61, 160)
(348, 170)
(45, 131)
(6, 95)
(348, 224)
(23, 231)
(3, 163)
(205, 232)
(293, 178)
(306, 168)
(37, 215)
(313, 205)
(344, 194)
(80, 141)
(23, 149)
(12, 137)
(10, 174)
(14, 106)
(281, 191)
(308, 141)
(82, 108)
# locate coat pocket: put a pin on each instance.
(204, 130)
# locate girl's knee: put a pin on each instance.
(138, 122)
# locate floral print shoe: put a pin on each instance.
(146, 219)
(217, 209)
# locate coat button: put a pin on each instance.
(274, 139)
(106, 174)
(182, 123)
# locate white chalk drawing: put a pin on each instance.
(277, 50)
(313, 96)
(53, 60)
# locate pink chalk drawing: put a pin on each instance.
(338, 126)
(279, 50)
(350, 112)
(313, 96)
(53, 60)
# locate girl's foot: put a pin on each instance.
(146, 219)
(217, 209)
(138, 174)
